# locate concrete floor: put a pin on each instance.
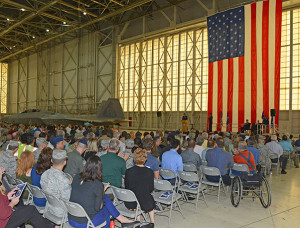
(283, 212)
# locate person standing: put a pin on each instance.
(210, 120)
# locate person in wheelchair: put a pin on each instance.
(243, 156)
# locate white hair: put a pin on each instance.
(273, 137)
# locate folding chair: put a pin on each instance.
(189, 167)
(125, 195)
(37, 192)
(163, 186)
(194, 187)
(168, 173)
(277, 164)
(204, 163)
(29, 198)
(55, 203)
(10, 180)
(77, 210)
(239, 168)
(212, 171)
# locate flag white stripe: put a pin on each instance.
(225, 93)
(259, 106)
(235, 95)
(215, 96)
(272, 12)
(247, 107)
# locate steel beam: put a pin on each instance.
(134, 5)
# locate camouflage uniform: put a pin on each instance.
(37, 153)
(56, 183)
(72, 147)
(265, 153)
(8, 161)
(227, 142)
(129, 162)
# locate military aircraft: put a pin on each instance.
(110, 112)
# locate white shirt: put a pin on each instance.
(275, 148)
(198, 149)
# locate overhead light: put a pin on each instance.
(64, 23)
(10, 47)
(47, 30)
(84, 13)
(23, 9)
(33, 37)
(7, 19)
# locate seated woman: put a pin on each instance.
(139, 179)
(21, 214)
(43, 163)
(24, 167)
(88, 191)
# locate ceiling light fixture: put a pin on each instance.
(23, 9)
(84, 13)
(33, 37)
(47, 30)
(64, 23)
(7, 19)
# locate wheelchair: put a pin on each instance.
(242, 188)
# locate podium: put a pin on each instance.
(184, 125)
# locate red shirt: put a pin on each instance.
(5, 210)
(239, 159)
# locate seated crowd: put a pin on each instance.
(73, 163)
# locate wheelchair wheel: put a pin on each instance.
(236, 191)
(265, 193)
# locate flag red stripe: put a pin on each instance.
(253, 64)
(265, 57)
(210, 90)
(241, 111)
(230, 93)
(277, 57)
(220, 93)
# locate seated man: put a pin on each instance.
(265, 154)
(220, 159)
(152, 161)
(275, 148)
(75, 160)
(189, 156)
(172, 160)
(113, 166)
(55, 181)
(58, 142)
(243, 156)
(7, 159)
(256, 153)
(199, 148)
(287, 146)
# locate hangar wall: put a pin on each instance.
(71, 77)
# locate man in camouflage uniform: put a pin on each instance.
(128, 156)
(7, 159)
(77, 137)
(56, 182)
(227, 141)
(265, 153)
(41, 143)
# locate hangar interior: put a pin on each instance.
(69, 55)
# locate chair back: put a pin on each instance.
(54, 201)
(211, 171)
(204, 163)
(36, 191)
(273, 156)
(18, 181)
(167, 173)
(124, 194)
(75, 209)
(10, 179)
(188, 176)
(189, 167)
(240, 167)
(162, 185)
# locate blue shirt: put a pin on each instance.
(255, 152)
(286, 146)
(172, 160)
(204, 153)
(36, 181)
(297, 143)
(220, 159)
(152, 162)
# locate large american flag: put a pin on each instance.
(244, 63)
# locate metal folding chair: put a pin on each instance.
(125, 195)
(37, 192)
(77, 210)
(189, 167)
(189, 183)
(55, 203)
(277, 164)
(212, 171)
(163, 186)
(168, 173)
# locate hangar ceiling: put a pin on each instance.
(25, 25)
